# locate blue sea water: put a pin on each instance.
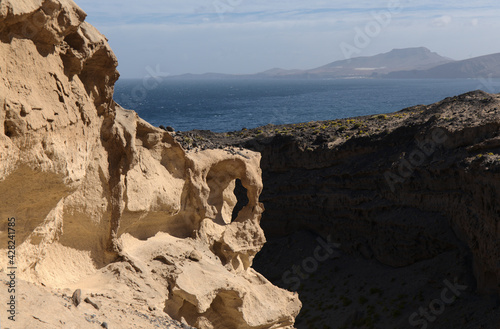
(233, 104)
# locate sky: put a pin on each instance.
(171, 37)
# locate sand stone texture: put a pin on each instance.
(108, 203)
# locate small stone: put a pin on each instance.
(195, 256)
(104, 325)
(89, 301)
(170, 129)
(77, 297)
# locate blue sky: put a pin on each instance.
(249, 36)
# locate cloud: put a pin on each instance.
(442, 21)
(258, 9)
(219, 13)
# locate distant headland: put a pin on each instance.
(407, 63)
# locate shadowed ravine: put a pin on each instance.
(410, 195)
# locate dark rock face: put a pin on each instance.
(403, 201)
(400, 188)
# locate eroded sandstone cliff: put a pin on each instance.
(105, 202)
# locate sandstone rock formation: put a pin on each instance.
(107, 203)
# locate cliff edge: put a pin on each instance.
(94, 198)
(411, 197)
(404, 186)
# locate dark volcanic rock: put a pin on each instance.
(403, 187)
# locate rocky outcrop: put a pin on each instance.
(400, 188)
(99, 195)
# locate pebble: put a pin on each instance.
(195, 256)
(77, 297)
(89, 301)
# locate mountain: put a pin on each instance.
(277, 72)
(407, 63)
(407, 59)
(485, 66)
(395, 60)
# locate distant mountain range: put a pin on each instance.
(485, 66)
(408, 63)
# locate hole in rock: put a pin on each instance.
(9, 129)
(75, 41)
(241, 195)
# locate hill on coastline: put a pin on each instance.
(407, 63)
(395, 60)
(484, 66)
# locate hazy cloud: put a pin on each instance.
(442, 21)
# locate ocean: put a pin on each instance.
(232, 104)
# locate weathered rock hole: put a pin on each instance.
(62, 19)
(6, 131)
(241, 194)
(75, 41)
(218, 249)
(9, 129)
